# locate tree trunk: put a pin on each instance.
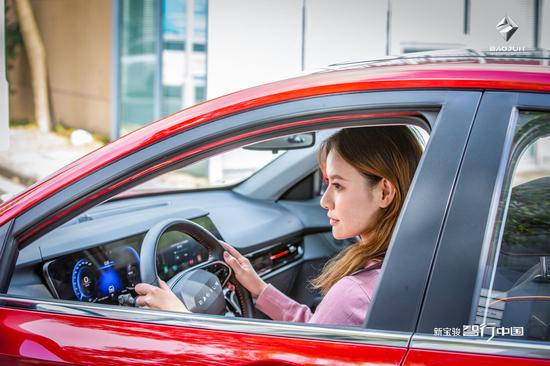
(37, 62)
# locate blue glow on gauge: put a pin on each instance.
(134, 252)
(77, 271)
(109, 282)
(107, 265)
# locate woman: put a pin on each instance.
(369, 171)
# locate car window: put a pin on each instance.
(226, 169)
(514, 301)
(104, 267)
(219, 171)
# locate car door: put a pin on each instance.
(56, 331)
(488, 299)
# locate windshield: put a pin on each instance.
(222, 170)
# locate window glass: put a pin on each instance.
(228, 168)
(221, 170)
(514, 299)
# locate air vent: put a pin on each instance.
(274, 257)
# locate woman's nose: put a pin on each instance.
(326, 200)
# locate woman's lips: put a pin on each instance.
(333, 221)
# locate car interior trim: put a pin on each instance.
(218, 323)
(496, 347)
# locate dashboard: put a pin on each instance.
(270, 234)
(103, 273)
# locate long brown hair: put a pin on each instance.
(377, 152)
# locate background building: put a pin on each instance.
(117, 65)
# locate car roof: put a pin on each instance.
(532, 56)
(451, 70)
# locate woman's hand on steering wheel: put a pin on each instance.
(161, 298)
(244, 272)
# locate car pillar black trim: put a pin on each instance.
(8, 255)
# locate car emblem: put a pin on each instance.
(507, 27)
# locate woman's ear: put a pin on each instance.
(387, 193)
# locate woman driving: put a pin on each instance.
(368, 171)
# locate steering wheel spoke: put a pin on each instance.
(232, 305)
(218, 268)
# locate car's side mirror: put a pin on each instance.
(292, 142)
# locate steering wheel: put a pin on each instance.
(201, 287)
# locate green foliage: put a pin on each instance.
(22, 122)
(14, 38)
(61, 129)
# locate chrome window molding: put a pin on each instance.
(494, 347)
(212, 322)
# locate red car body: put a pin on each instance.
(35, 333)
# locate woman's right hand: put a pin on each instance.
(244, 272)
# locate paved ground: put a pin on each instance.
(8, 188)
(32, 156)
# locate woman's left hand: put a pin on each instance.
(161, 298)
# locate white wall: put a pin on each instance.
(426, 23)
(344, 30)
(252, 42)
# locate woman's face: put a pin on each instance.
(353, 205)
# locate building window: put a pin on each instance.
(162, 65)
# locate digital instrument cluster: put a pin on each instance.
(103, 273)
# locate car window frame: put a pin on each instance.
(470, 232)
(445, 101)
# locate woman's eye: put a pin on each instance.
(337, 186)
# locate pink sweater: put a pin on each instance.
(346, 303)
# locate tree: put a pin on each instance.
(36, 54)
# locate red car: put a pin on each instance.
(466, 279)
